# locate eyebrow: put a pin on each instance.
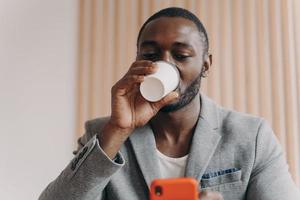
(149, 43)
(176, 44)
(184, 45)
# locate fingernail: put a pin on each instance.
(155, 67)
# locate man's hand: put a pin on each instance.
(129, 109)
(207, 195)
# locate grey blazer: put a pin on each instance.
(233, 153)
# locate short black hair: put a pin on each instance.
(179, 12)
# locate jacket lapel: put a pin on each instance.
(205, 140)
(143, 143)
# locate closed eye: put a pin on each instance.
(181, 57)
(150, 56)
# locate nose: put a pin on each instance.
(167, 57)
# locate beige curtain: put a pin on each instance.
(255, 46)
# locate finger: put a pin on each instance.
(141, 63)
(130, 80)
(166, 100)
(143, 70)
(127, 83)
(208, 195)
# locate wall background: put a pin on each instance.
(53, 78)
(255, 46)
(37, 93)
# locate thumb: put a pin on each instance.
(166, 100)
(208, 195)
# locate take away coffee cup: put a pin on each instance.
(165, 80)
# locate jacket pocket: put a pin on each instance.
(230, 177)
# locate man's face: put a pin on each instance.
(175, 40)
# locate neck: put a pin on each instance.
(178, 125)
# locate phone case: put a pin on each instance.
(174, 189)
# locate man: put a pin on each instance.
(184, 134)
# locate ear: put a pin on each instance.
(206, 65)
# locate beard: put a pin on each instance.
(189, 94)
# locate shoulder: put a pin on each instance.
(241, 127)
(249, 137)
(228, 120)
(239, 120)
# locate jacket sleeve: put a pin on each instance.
(87, 175)
(270, 178)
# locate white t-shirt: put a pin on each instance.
(171, 167)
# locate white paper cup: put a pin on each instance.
(165, 80)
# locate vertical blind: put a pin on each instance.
(256, 57)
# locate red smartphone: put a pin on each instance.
(174, 189)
